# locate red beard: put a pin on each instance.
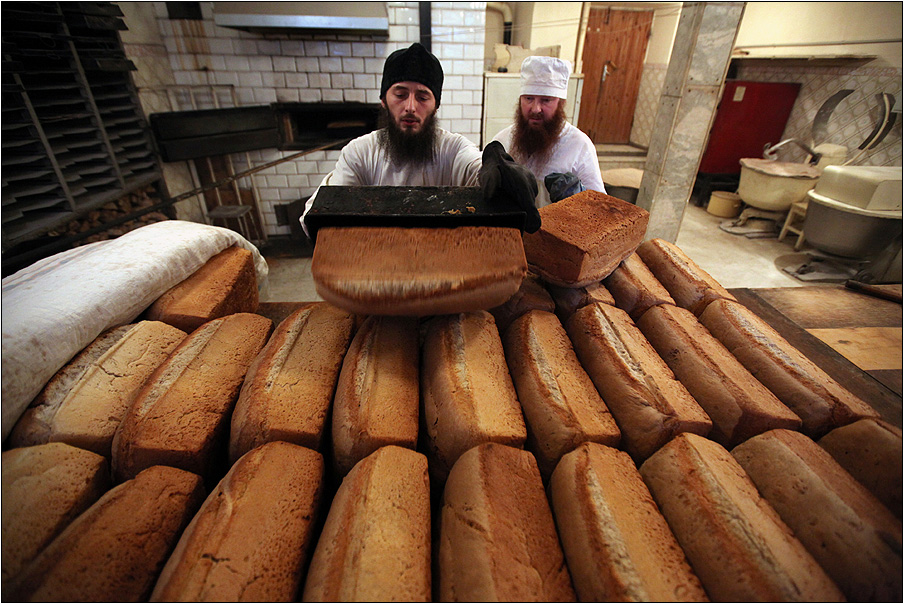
(530, 143)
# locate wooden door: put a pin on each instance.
(614, 50)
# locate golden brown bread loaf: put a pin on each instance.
(689, 285)
(251, 538)
(583, 238)
(180, 417)
(226, 284)
(648, 403)
(871, 451)
(289, 387)
(738, 404)
(561, 406)
(855, 539)
(44, 488)
(497, 537)
(618, 546)
(570, 299)
(634, 288)
(376, 402)
(417, 271)
(84, 402)
(114, 551)
(466, 389)
(532, 295)
(819, 401)
(735, 541)
(375, 545)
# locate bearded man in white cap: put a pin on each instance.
(541, 139)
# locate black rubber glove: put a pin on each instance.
(500, 172)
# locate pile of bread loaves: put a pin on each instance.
(620, 429)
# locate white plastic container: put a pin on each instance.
(772, 185)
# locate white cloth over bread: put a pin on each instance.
(57, 306)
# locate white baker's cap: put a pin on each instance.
(545, 76)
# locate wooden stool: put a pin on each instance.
(794, 223)
(239, 213)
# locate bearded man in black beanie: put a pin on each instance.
(409, 149)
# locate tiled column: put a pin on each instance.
(693, 85)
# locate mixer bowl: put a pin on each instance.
(772, 185)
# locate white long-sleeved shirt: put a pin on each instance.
(364, 162)
(574, 152)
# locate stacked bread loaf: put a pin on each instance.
(567, 443)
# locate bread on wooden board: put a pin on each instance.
(562, 407)
(871, 451)
(113, 552)
(377, 396)
(497, 538)
(225, 284)
(289, 388)
(617, 544)
(738, 404)
(466, 390)
(180, 417)
(689, 285)
(84, 402)
(855, 539)
(251, 539)
(44, 488)
(375, 545)
(583, 238)
(417, 271)
(648, 402)
(735, 541)
(819, 401)
(634, 287)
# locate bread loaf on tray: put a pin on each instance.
(583, 238)
(289, 388)
(648, 403)
(871, 451)
(225, 284)
(618, 546)
(735, 541)
(634, 288)
(84, 402)
(180, 417)
(114, 550)
(855, 539)
(466, 390)
(562, 407)
(738, 404)
(44, 488)
(376, 402)
(497, 538)
(819, 401)
(375, 545)
(689, 285)
(251, 538)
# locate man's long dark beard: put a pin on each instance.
(407, 147)
(536, 143)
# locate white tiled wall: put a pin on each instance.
(306, 68)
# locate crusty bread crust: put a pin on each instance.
(376, 401)
(562, 407)
(849, 532)
(114, 551)
(689, 285)
(375, 545)
(634, 287)
(738, 404)
(251, 538)
(498, 541)
(417, 271)
(288, 390)
(820, 402)
(570, 299)
(648, 403)
(736, 542)
(618, 546)
(532, 295)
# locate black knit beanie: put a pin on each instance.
(413, 64)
